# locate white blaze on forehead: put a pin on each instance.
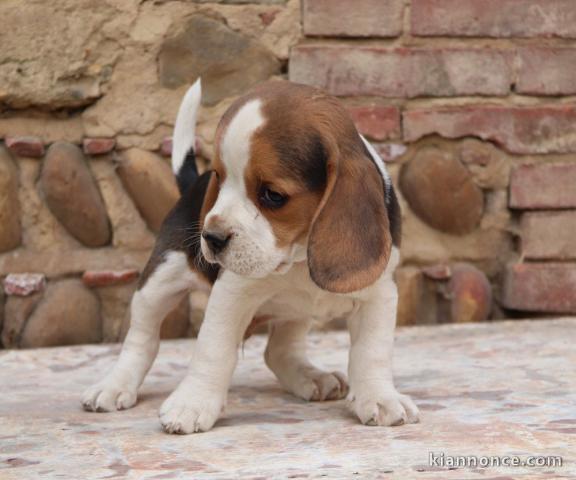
(236, 142)
(252, 250)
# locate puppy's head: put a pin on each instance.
(292, 180)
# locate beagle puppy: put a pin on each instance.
(296, 222)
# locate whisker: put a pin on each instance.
(200, 260)
(192, 240)
(188, 228)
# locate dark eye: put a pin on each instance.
(270, 199)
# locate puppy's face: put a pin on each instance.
(274, 196)
(268, 184)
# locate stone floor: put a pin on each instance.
(484, 390)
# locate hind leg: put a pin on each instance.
(162, 291)
(286, 356)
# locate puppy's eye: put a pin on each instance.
(271, 199)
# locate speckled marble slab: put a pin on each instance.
(487, 389)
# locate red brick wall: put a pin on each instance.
(447, 71)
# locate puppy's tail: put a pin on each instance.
(184, 138)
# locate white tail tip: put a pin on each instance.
(184, 137)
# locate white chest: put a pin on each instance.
(301, 298)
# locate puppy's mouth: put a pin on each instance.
(241, 266)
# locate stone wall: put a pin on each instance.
(471, 103)
(87, 104)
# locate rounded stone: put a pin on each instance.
(73, 196)
(441, 191)
(68, 314)
(115, 305)
(228, 62)
(151, 184)
(16, 313)
(130, 229)
(470, 293)
(10, 227)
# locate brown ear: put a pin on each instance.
(210, 197)
(350, 243)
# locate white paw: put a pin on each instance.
(385, 408)
(107, 396)
(316, 385)
(186, 412)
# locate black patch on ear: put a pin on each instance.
(392, 205)
(394, 215)
(305, 158)
(188, 172)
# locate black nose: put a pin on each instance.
(216, 241)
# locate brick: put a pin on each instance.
(345, 69)
(520, 130)
(546, 71)
(540, 287)
(24, 284)
(25, 146)
(494, 18)
(549, 235)
(376, 122)
(547, 186)
(367, 18)
(98, 146)
(105, 278)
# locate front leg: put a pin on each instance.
(200, 398)
(373, 397)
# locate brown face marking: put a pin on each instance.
(291, 222)
(210, 198)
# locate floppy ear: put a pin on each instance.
(210, 197)
(349, 243)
